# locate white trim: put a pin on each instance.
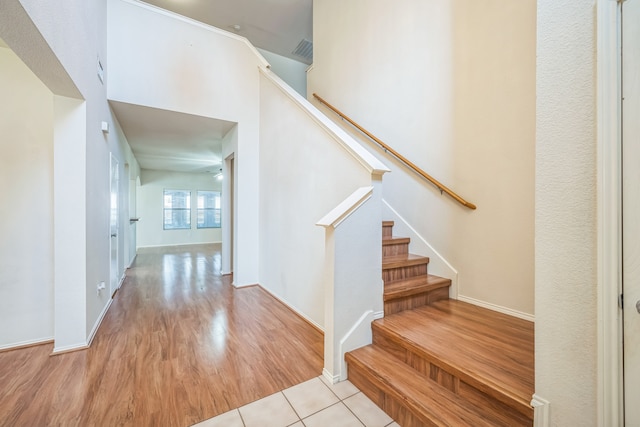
(368, 160)
(210, 28)
(609, 253)
(498, 308)
(28, 343)
(176, 244)
(451, 274)
(349, 205)
(98, 322)
(358, 336)
(289, 306)
(132, 260)
(540, 411)
(333, 379)
(124, 276)
(68, 349)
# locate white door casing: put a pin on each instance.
(113, 225)
(631, 207)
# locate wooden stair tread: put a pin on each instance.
(414, 285)
(404, 260)
(392, 240)
(481, 347)
(388, 223)
(432, 403)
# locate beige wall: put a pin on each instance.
(565, 257)
(450, 85)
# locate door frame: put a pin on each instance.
(609, 213)
(114, 282)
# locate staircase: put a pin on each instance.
(441, 362)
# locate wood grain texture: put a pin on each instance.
(400, 267)
(387, 229)
(178, 345)
(411, 399)
(487, 350)
(392, 246)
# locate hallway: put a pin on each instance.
(178, 345)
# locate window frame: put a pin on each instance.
(187, 209)
(216, 211)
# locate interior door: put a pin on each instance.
(113, 226)
(631, 207)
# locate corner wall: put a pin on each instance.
(566, 235)
(451, 86)
(26, 213)
(61, 43)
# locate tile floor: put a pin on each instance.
(314, 403)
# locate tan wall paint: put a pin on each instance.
(450, 85)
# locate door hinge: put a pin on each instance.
(621, 301)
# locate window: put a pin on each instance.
(208, 209)
(177, 209)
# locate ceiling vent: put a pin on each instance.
(304, 50)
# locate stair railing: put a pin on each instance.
(443, 188)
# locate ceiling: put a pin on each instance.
(167, 140)
(274, 25)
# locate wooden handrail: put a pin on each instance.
(443, 188)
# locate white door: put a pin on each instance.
(113, 226)
(631, 207)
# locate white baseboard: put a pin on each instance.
(498, 308)
(99, 322)
(540, 411)
(333, 379)
(358, 336)
(438, 265)
(290, 307)
(167, 245)
(68, 349)
(25, 344)
(132, 261)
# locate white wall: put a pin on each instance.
(26, 212)
(293, 72)
(61, 44)
(150, 208)
(304, 173)
(162, 60)
(451, 86)
(566, 297)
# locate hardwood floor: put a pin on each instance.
(178, 345)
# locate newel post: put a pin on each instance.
(353, 276)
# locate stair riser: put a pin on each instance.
(395, 249)
(387, 231)
(414, 301)
(387, 403)
(399, 273)
(437, 371)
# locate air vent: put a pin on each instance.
(304, 49)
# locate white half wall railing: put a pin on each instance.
(353, 284)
